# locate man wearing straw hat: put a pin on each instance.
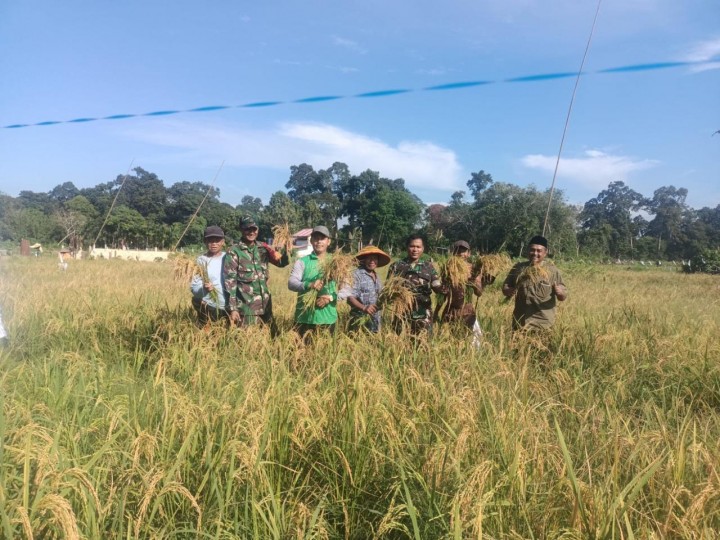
(362, 296)
(208, 298)
(537, 286)
(245, 271)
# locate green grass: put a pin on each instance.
(121, 419)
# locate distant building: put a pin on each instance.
(301, 242)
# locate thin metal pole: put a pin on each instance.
(567, 118)
(192, 218)
(127, 173)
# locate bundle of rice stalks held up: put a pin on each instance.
(338, 267)
(396, 297)
(456, 271)
(282, 238)
(491, 265)
(186, 268)
(534, 273)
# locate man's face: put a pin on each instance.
(536, 253)
(370, 262)
(250, 234)
(463, 253)
(215, 244)
(415, 249)
(319, 242)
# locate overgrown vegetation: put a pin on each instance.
(120, 419)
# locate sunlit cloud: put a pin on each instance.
(422, 164)
(593, 170)
(704, 51)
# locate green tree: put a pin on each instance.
(313, 192)
(670, 211)
(611, 214)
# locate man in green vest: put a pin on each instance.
(306, 279)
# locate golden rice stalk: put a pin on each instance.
(396, 297)
(534, 273)
(186, 267)
(491, 265)
(339, 267)
(456, 271)
(282, 238)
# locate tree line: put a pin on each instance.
(619, 223)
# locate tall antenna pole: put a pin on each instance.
(192, 218)
(107, 216)
(567, 118)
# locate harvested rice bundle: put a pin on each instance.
(490, 265)
(186, 268)
(282, 238)
(396, 297)
(338, 267)
(535, 273)
(457, 271)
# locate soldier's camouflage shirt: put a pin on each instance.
(245, 275)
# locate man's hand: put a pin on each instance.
(323, 301)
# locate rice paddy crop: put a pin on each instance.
(120, 419)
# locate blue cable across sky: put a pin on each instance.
(373, 94)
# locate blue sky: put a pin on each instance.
(72, 59)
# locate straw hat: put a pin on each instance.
(383, 258)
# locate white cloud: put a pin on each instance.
(704, 51)
(422, 164)
(349, 44)
(594, 170)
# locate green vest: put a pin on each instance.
(326, 315)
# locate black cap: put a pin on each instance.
(539, 241)
(213, 231)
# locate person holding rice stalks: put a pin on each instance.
(363, 295)
(245, 275)
(461, 281)
(537, 286)
(313, 278)
(421, 279)
(208, 298)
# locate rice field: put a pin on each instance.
(121, 419)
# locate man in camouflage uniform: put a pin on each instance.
(245, 276)
(422, 279)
